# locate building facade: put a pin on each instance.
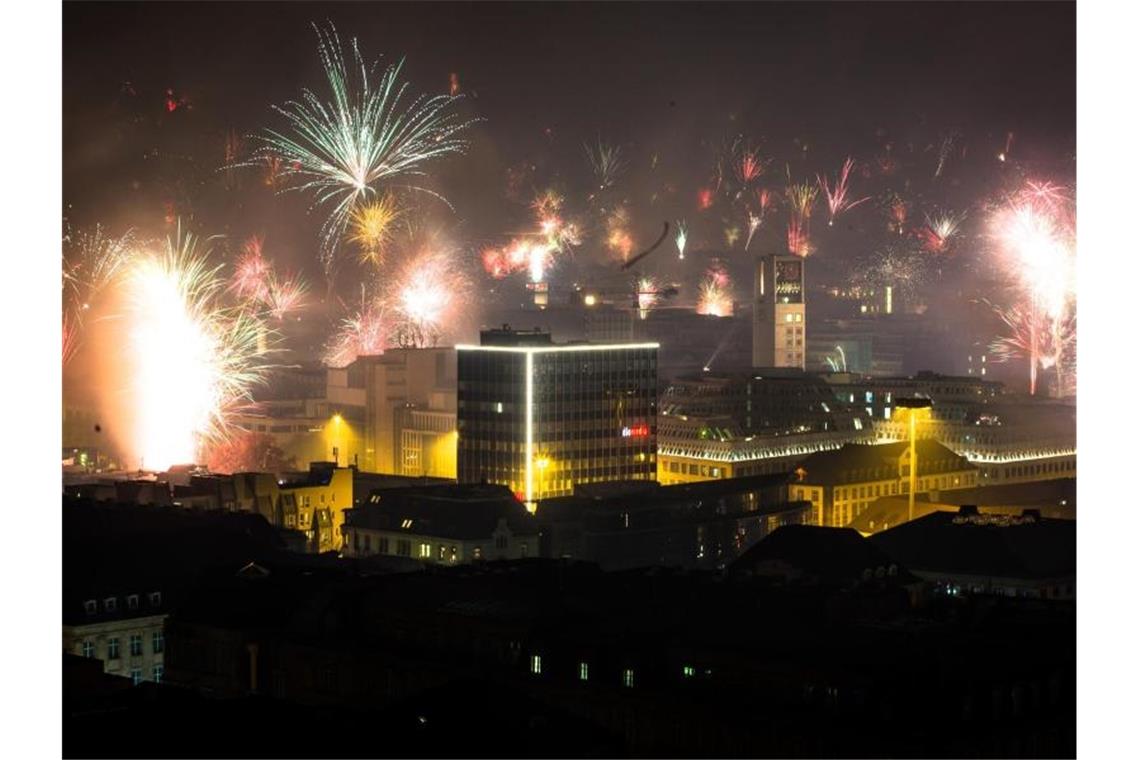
(313, 502)
(540, 417)
(124, 631)
(843, 484)
(445, 524)
(779, 317)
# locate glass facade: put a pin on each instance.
(541, 420)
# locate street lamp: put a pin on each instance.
(915, 407)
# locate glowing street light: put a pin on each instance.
(913, 408)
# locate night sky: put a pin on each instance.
(671, 83)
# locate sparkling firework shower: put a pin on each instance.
(192, 360)
(92, 260)
(340, 149)
(372, 228)
(801, 200)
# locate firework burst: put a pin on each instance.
(715, 296)
(939, 230)
(648, 292)
(372, 227)
(364, 333)
(250, 279)
(837, 195)
(426, 295)
(801, 201)
(285, 295)
(92, 260)
(607, 163)
(340, 149)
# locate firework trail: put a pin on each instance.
(945, 148)
(426, 296)
(715, 298)
(837, 200)
(801, 199)
(1026, 328)
(192, 360)
(682, 238)
(607, 163)
(372, 227)
(754, 221)
(841, 365)
(92, 260)
(940, 229)
(748, 165)
(340, 149)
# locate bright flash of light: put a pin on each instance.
(192, 360)
(426, 296)
(648, 294)
(372, 226)
(715, 296)
(837, 194)
(338, 149)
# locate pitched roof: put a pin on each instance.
(447, 511)
(859, 462)
(827, 554)
(984, 545)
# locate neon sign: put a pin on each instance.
(635, 431)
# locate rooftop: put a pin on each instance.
(857, 462)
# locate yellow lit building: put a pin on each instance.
(313, 503)
(842, 484)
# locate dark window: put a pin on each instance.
(136, 645)
(112, 649)
(157, 642)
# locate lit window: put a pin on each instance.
(627, 678)
(425, 551)
(536, 664)
(788, 317)
(407, 523)
(583, 671)
(499, 407)
(112, 649)
(156, 673)
(688, 671)
(88, 648)
(136, 645)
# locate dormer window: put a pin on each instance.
(155, 598)
(91, 606)
(133, 602)
(110, 604)
(407, 523)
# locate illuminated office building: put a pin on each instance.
(779, 317)
(541, 417)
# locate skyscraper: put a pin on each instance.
(779, 317)
(541, 417)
